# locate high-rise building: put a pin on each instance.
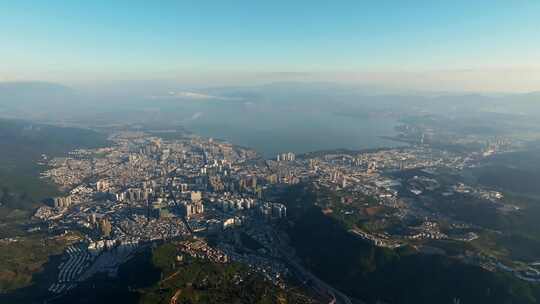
(254, 182)
(372, 167)
(343, 182)
(289, 156)
(193, 208)
(62, 202)
(272, 179)
(102, 185)
(105, 227)
(196, 196)
(92, 219)
(273, 210)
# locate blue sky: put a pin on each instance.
(216, 41)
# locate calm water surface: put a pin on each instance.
(270, 134)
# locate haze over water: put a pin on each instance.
(298, 133)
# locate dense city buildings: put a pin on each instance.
(143, 189)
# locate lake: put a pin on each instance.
(272, 133)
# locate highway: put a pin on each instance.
(317, 284)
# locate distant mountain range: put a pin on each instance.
(33, 99)
(53, 101)
(32, 92)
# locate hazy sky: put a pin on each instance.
(447, 45)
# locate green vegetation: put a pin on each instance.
(487, 244)
(22, 145)
(509, 178)
(249, 242)
(516, 172)
(156, 276)
(513, 246)
(402, 276)
(353, 209)
(21, 259)
(451, 247)
(21, 191)
(200, 281)
(517, 176)
(514, 234)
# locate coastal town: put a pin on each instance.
(218, 201)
